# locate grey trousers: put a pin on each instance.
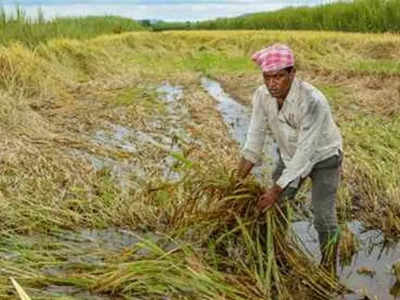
(325, 177)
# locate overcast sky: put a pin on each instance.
(172, 10)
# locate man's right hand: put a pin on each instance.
(270, 196)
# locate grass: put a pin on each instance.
(60, 103)
(34, 31)
(377, 65)
(214, 62)
(350, 16)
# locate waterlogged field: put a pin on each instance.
(117, 169)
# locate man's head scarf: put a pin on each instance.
(274, 58)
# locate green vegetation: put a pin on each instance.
(31, 32)
(353, 16)
(88, 143)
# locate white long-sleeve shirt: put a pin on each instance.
(303, 129)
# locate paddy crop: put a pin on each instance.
(109, 189)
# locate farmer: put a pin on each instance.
(309, 142)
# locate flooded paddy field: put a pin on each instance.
(121, 185)
(369, 272)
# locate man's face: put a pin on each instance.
(278, 82)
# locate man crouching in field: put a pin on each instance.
(309, 142)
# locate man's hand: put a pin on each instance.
(270, 196)
(244, 168)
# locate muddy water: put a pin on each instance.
(77, 293)
(369, 271)
(376, 256)
(71, 252)
(130, 140)
(167, 131)
(112, 239)
(170, 93)
(90, 248)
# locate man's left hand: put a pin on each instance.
(270, 196)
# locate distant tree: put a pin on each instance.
(146, 23)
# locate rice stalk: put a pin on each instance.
(21, 293)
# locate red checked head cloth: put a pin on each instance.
(274, 58)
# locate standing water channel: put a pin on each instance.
(369, 272)
(131, 140)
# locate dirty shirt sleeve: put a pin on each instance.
(313, 118)
(253, 147)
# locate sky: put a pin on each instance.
(172, 10)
